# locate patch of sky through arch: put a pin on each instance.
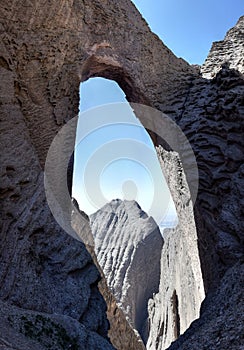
(124, 177)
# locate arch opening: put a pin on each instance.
(103, 157)
(127, 175)
(116, 164)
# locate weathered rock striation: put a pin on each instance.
(47, 49)
(128, 246)
(212, 120)
(181, 289)
(217, 139)
(217, 108)
(121, 333)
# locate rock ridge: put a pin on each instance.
(128, 247)
(230, 50)
(121, 334)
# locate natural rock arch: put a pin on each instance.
(44, 48)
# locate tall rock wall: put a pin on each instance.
(43, 270)
(216, 135)
(181, 289)
(217, 139)
(212, 120)
(121, 333)
(47, 49)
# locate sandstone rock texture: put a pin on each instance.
(47, 49)
(128, 246)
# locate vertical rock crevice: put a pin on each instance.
(176, 316)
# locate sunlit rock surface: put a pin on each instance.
(181, 289)
(121, 333)
(230, 50)
(128, 245)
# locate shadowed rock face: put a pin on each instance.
(47, 49)
(221, 322)
(212, 120)
(128, 245)
(217, 139)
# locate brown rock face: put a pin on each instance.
(48, 279)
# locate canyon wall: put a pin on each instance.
(216, 135)
(181, 289)
(212, 120)
(47, 49)
(48, 290)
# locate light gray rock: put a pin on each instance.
(121, 333)
(181, 290)
(128, 245)
(230, 51)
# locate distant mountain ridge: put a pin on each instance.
(128, 245)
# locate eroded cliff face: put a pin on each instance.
(216, 135)
(47, 49)
(181, 289)
(43, 270)
(121, 333)
(128, 246)
(212, 120)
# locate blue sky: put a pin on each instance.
(114, 155)
(189, 27)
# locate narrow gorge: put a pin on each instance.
(53, 292)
